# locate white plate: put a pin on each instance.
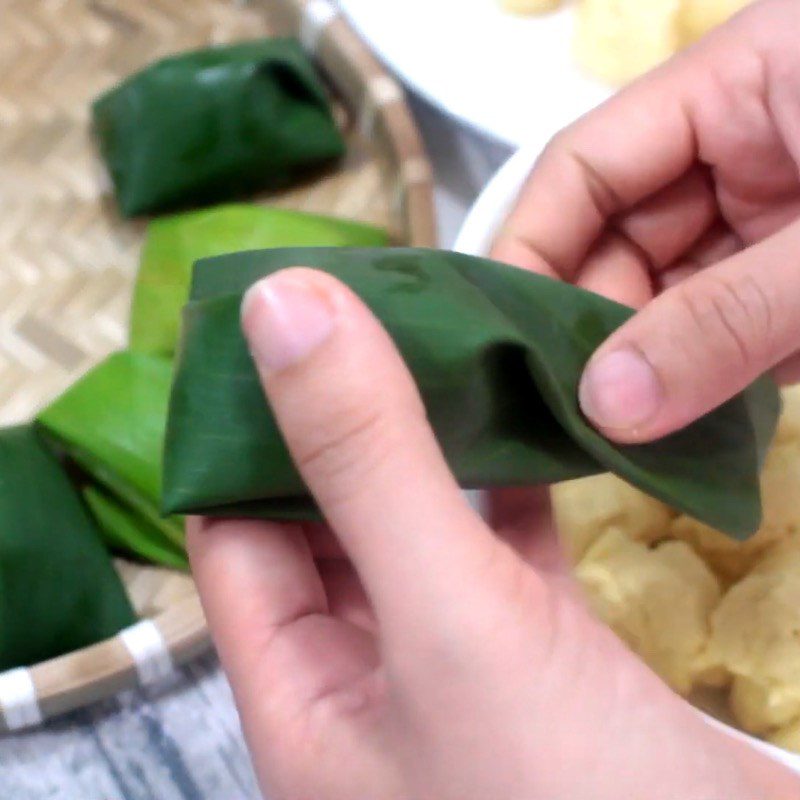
(510, 77)
(475, 238)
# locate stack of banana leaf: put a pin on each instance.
(86, 477)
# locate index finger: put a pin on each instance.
(637, 143)
(255, 579)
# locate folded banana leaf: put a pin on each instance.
(130, 533)
(174, 243)
(497, 353)
(111, 422)
(211, 124)
(58, 588)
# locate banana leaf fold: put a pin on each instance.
(126, 531)
(111, 423)
(207, 125)
(58, 588)
(174, 243)
(497, 353)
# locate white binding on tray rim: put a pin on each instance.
(18, 701)
(149, 651)
(381, 91)
(317, 15)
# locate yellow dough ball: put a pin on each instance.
(780, 489)
(529, 6)
(755, 636)
(587, 507)
(788, 737)
(789, 425)
(760, 707)
(700, 16)
(618, 40)
(658, 600)
(729, 558)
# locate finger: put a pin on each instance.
(355, 425)
(255, 579)
(678, 274)
(717, 244)
(688, 111)
(667, 224)
(621, 270)
(523, 518)
(268, 613)
(617, 270)
(347, 599)
(633, 146)
(625, 263)
(787, 373)
(519, 508)
(323, 542)
(697, 344)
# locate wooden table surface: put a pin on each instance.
(181, 740)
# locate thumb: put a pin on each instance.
(356, 426)
(698, 344)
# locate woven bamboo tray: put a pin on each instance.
(68, 260)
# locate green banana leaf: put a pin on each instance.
(174, 243)
(130, 533)
(58, 588)
(497, 353)
(211, 124)
(111, 422)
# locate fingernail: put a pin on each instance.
(285, 318)
(620, 390)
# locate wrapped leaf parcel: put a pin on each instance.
(174, 243)
(212, 124)
(58, 588)
(111, 423)
(497, 354)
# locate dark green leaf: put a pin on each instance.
(58, 589)
(174, 243)
(497, 353)
(211, 124)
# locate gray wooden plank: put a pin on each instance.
(178, 741)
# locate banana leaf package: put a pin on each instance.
(211, 124)
(111, 423)
(58, 588)
(497, 353)
(174, 243)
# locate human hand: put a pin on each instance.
(418, 655)
(686, 185)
